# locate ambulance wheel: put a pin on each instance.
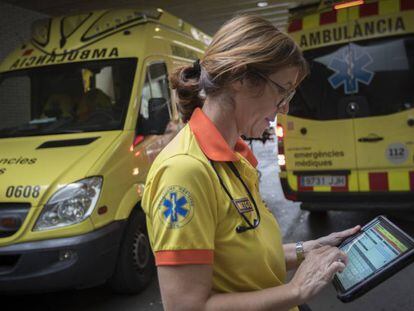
(135, 265)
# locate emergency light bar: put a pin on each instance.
(348, 4)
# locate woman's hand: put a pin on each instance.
(333, 239)
(317, 271)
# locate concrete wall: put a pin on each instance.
(15, 26)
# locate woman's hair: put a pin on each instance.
(242, 46)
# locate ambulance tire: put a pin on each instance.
(135, 266)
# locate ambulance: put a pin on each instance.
(85, 107)
(348, 140)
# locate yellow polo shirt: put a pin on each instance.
(191, 220)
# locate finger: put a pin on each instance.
(348, 232)
(336, 254)
(343, 257)
(335, 267)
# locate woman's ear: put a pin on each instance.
(237, 85)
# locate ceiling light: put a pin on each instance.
(262, 4)
(348, 4)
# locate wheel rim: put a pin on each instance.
(140, 250)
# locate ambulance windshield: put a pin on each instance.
(358, 79)
(66, 98)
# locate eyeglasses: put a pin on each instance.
(287, 95)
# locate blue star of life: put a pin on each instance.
(175, 207)
(349, 64)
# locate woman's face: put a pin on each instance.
(253, 112)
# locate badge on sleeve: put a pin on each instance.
(243, 205)
(176, 207)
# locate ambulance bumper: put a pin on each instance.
(378, 201)
(50, 265)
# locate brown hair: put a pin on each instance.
(242, 46)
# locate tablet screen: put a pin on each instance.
(374, 248)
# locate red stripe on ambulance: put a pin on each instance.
(327, 17)
(368, 9)
(412, 180)
(364, 10)
(295, 25)
(378, 181)
(406, 5)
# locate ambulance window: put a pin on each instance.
(159, 81)
(15, 101)
(66, 98)
(146, 96)
(391, 66)
(104, 81)
(373, 76)
(316, 98)
(155, 86)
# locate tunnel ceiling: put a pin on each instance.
(207, 15)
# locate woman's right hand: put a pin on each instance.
(317, 271)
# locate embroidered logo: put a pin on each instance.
(243, 205)
(176, 207)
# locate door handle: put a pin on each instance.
(370, 139)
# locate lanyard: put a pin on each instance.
(256, 222)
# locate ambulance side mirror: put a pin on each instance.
(159, 116)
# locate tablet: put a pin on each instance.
(376, 252)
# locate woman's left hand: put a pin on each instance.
(333, 239)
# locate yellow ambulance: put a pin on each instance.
(348, 141)
(85, 107)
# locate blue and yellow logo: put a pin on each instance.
(350, 65)
(176, 207)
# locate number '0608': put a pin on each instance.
(23, 191)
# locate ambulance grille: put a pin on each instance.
(12, 216)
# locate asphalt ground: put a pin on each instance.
(395, 294)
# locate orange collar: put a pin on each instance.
(212, 142)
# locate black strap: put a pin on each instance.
(221, 181)
(237, 174)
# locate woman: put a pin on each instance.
(216, 245)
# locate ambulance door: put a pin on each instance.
(155, 87)
(385, 140)
(319, 144)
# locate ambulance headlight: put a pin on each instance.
(70, 205)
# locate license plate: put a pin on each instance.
(314, 181)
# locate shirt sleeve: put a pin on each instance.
(181, 209)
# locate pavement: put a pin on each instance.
(395, 294)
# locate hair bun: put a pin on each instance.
(185, 80)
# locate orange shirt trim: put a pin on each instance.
(184, 257)
(212, 143)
